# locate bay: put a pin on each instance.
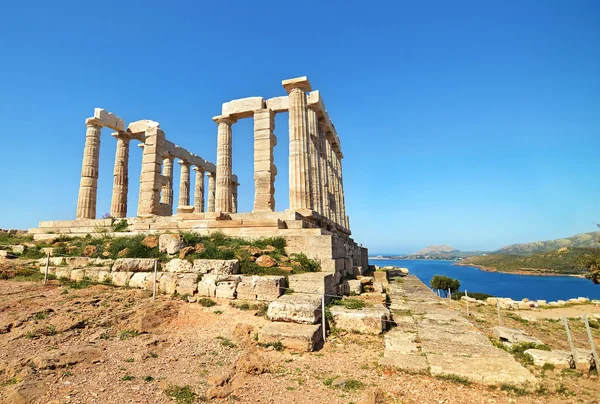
(550, 288)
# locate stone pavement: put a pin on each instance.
(431, 337)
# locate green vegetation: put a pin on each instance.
(455, 379)
(82, 284)
(591, 263)
(126, 334)
(226, 342)
(564, 261)
(352, 304)
(127, 378)
(147, 379)
(277, 345)
(181, 394)
(206, 302)
(474, 295)
(511, 388)
(444, 283)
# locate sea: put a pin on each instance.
(550, 288)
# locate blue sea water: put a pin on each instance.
(517, 287)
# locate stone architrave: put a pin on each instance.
(199, 190)
(211, 191)
(167, 189)
(224, 173)
(88, 187)
(324, 169)
(234, 196)
(299, 166)
(118, 206)
(314, 146)
(151, 180)
(184, 183)
(264, 167)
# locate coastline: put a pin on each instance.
(521, 272)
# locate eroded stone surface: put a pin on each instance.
(368, 320)
(170, 243)
(217, 267)
(297, 308)
(134, 265)
(299, 337)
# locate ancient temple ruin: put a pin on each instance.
(315, 222)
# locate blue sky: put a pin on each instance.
(469, 123)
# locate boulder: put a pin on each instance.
(170, 243)
(541, 303)
(134, 265)
(579, 299)
(90, 250)
(187, 284)
(179, 266)
(264, 288)
(266, 261)
(297, 337)
(514, 336)
(150, 241)
(18, 249)
(368, 320)
(296, 308)
(218, 267)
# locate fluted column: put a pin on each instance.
(184, 183)
(234, 197)
(299, 166)
(315, 171)
(211, 191)
(331, 183)
(199, 191)
(324, 170)
(337, 190)
(342, 196)
(167, 189)
(88, 186)
(118, 206)
(224, 173)
(264, 167)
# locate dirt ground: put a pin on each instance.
(113, 345)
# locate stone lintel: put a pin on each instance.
(243, 108)
(298, 82)
(142, 126)
(278, 104)
(109, 119)
(228, 119)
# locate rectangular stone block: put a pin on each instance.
(109, 119)
(297, 337)
(244, 107)
(278, 104)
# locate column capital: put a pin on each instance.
(93, 122)
(198, 169)
(301, 83)
(227, 119)
(168, 156)
(184, 163)
(125, 136)
(210, 174)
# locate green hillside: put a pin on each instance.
(563, 261)
(585, 240)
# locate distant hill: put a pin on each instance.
(435, 249)
(585, 240)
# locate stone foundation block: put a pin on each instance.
(121, 278)
(313, 282)
(296, 308)
(380, 276)
(62, 272)
(514, 336)
(187, 284)
(168, 283)
(354, 286)
(264, 288)
(77, 275)
(98, 274)
(134, 265)
(298, 337)
(138, 280)
(179, 266)
(77, 262)
(218, 267)
(559, 358)
(368, 320)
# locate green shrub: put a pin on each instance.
(277, 345)
(206, 302)
(455, 379)
(226, 342)
(352, 304)
(181, 394)
(306, 263)
(119, 226)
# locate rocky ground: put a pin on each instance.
(104, 344)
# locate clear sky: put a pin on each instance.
(469, 123)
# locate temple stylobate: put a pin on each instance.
(314, 223)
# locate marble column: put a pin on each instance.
(234, 196)
(324, 169)
(342, 196)
(151, 180)
(315, 171)
(224, 172)
(211, 191)
(118, 206)
(199, 191)
(167, 189)
(88, 186)
(264, 167)
(337, 190)
(331, 183)
(184, 183)
(299, 166)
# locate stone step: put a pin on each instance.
(313, 282)
(368, 320)
(296, 308)
(409, 362)
(297, 337)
